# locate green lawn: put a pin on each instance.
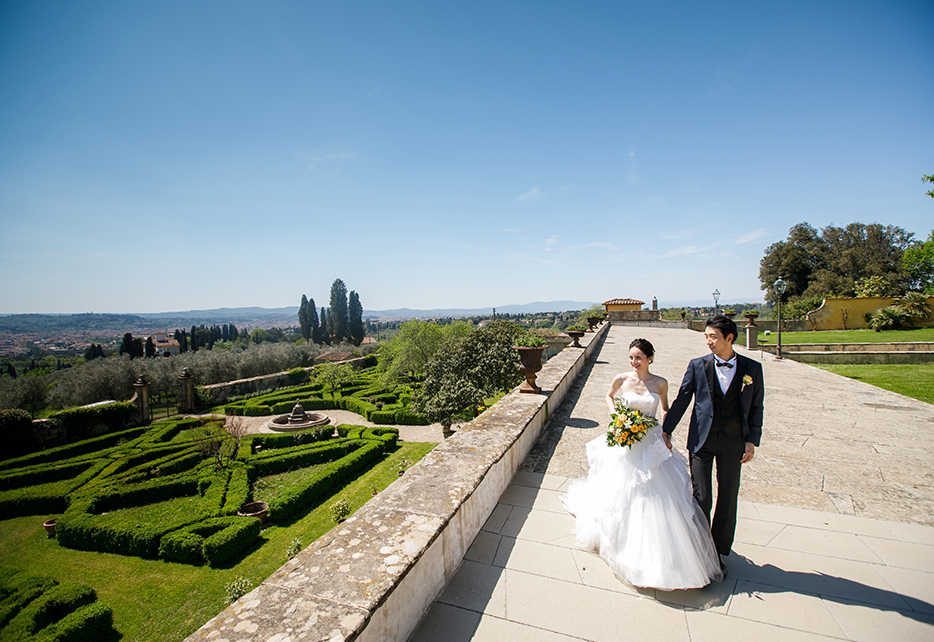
(155, 600)
(851, 336)
(914, 380)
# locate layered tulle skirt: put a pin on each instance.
(637, 510)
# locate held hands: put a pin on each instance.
(667, 437)
(748, 455)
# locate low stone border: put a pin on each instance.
(374, 576)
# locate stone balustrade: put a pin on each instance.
(374, 576)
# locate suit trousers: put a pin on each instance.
(726, 452)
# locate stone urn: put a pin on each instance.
(729, 314)
(576, 335)
(50, 527)
(751, 317)
(255, 509)
(593, 322)
(530, 360)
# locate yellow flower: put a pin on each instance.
(746, 381)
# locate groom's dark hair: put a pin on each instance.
(725, 325)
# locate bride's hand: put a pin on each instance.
(667, 437)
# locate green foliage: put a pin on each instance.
(334, 375)
(872, 286)
(78, 422)
(295, 547)
(527, 339)
(238, 588)
(338, 322)
(297, 376)
(36, 607)
(918, 264)
(799, 308)
(340, 510)
(914, 306)
(928, 179)
(832, 261)
(579, 327)
(465, 371)
(888, 318)
(15, 433)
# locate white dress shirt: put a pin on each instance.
(724, 374)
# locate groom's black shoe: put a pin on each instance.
(723, 568)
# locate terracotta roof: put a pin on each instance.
(624, 302)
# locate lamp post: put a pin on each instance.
(779, 291)
(716, 298)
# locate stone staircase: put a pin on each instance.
(857, 353)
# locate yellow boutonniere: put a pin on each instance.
(746, 381)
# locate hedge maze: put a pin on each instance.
(36, 607)
(151, 492)
(364, 396)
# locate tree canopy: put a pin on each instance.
(464, 371)
(337, 314)
(407, 354)
(833, 261)
(918, 264)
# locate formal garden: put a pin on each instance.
(147, 536)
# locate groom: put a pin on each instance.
(726, 424)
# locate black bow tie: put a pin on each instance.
(724, 364)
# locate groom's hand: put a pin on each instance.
(667, 437)
(749, 454)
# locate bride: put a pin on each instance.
(636, 507)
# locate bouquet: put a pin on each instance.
(628, 425)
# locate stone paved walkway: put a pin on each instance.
(835, 537)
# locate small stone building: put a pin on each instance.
(622, 310)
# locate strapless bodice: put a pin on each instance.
(647, 404)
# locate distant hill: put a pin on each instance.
(242, 317)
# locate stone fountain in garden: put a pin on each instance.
(298, 419)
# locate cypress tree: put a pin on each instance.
(316, 334)
(355, 317)
(325, 326)
(338, 327)
(150, 347)
(304, 321)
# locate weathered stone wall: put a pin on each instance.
(763, 325)
(374, 576)
(623, 316)
(221, 392)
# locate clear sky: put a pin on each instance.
(167, 156)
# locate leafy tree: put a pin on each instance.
(304, 320)
(150, 347)
(873, 286)
(317, 336)
(928, 179)
(337, 317)
(466, 370)
(94, 351)
(220, 442)
(35, 392)
(406, 355)
(258, 335)
(918, 264)
(355, 319)
(831, 262)
(335, 375)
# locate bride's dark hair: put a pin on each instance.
(644, 346)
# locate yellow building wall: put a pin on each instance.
(616, 307)
(850, 314)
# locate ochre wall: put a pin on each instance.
(829, 316)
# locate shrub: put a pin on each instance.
(19, 589)
(78, 422)
(409, 418)
(93, 445)
(340, 510)
(238, 588)
(383, 416)
(16, 433)
(89, 623)
(51, 606)
(256, 411)
(295, 547)
(225, 545)
(302, 456)
(297, 375)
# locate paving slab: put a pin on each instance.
(835, 536)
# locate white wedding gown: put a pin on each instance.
(637, 510)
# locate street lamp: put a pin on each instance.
(716, 298)
(779, 290)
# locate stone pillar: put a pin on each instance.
(142, 399)
(186, 393)
(752, 334)
(655, 303)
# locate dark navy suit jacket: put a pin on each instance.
(697, 383)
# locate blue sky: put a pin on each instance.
(166, 156)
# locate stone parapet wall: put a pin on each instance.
(788, 325)
(374, 576)
(678, 325)
(623, 316)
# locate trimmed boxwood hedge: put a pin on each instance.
(215, 541)
(49, 498)
(35, 607)
(93, 445)
(322, 483)
(79, 421)
(16, 433)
